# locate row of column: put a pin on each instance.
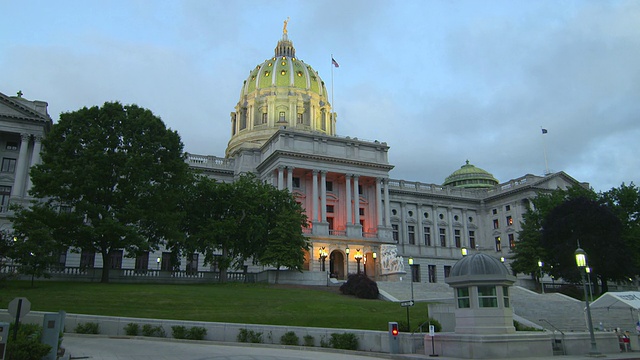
(22, 182)
(319, 193)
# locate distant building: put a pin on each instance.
(284, 130)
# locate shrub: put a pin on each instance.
(522, 327)
(153, 331)
(309, 340)
(27, 345)
(249, 336)
(289, 338)
(196, 333)
(345, 341)
(179, 332)
(88, 328)
(324, 343)
(132, 329)
(361, 286)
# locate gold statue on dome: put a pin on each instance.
(284, 29)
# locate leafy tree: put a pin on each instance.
(625, 203)
(120, 171)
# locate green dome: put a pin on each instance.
(470, 177)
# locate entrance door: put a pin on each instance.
(336, 264)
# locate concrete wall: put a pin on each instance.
(289, 277)
(374, 341)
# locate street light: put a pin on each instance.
(411, 269)
(375, 256)
(540, 263)
(358, 257)
(588, 270)
(464, 251)
(581, 262)
(323, 257)
(346, 251)
(158, 263)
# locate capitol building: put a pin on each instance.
(284, 130)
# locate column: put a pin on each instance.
(21, 167)
(35, 156)
(314, 212)
(465, 228)
(323, 195)
(347, 179)
(419, 234)
(387, 207)
(403, 223)
(280, 177)
(356, 201)
(379, 201)
(290, 178)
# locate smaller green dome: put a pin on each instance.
(470, 177)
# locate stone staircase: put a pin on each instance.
(552, 311)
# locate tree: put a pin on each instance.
(597, 229)
(625, 203)
(120, 171)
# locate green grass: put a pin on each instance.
(234, 303)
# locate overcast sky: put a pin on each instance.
(441, 82)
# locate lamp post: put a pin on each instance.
(581, 262)
(588, 270)
(410, 269)
(323, 257)
(358, 257)
(346, 251)
(375, 256)
(158, 263)
(540, 263)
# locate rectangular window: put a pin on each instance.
(394, 232)
(299, 119)
(432, 273)
(115, 259)
(494, 211)
(264, 118)
(411, 231)
(509, 220)
(507, 208)
(427, 235)
(496, 224)
(5, 195)
(12, 145)
(415, 273)
(87, 259)
(8, 165)
(505, 296)
(330, 221)
(330, 209)
(359, 189)
(361, 212)
(296, 182)
(463, 298)
(447, 271)
(512, 241)
(329, 185)
(472, 239)
(487, 297)
(192, 263)
(457, 238)
(443, 237)
(142, 261)
(498, 244)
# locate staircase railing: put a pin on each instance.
(554, 345)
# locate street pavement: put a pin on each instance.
(100, 347)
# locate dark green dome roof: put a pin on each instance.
(471, 177)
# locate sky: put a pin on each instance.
(441, 82)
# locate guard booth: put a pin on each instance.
(4, 335)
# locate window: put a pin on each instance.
(415, 273)
(330, 221)
(115, 259)
(509, 220)
(281, 117)
(512, 241)
(410, 213)
(394, 212)
(496, 224)
(432, 273)
(142, 261)
(394, 232)
(299, 119)
(441, 216)
(447, 271)
(498, 245)
(494, 211)
(507, 208)
(12, 145)
(426, 215)
(456, 217)
(411, 230)
(5, 195)
(264, 118)
(87, 259)
(505, 296)
(443, 237)
(8, 165)
(329, 185)
(330, 208)
(359, 189)
(427, 235)
(472, 239)
(463, 297)
(487, 297)
(296, 182)
(457, 238)
(192, 263)
(361, 211)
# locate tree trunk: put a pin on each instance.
(223, 265)
(105, 267)
(277, 273)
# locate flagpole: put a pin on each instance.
(333, 105)
(544, 148)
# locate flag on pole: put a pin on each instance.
(544, 131)
(334, 62)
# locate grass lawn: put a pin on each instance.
(234, 303)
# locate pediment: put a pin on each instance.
(14, 108)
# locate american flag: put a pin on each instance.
(334, 62)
